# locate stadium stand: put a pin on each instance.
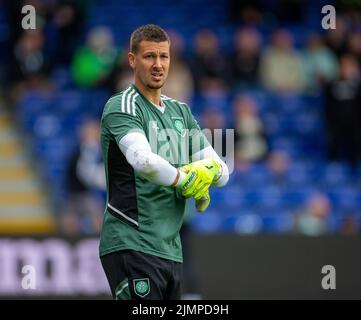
(24, 207)
(254, 200)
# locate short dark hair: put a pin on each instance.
(148, 32)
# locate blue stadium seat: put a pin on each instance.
(232, 195)
(295, 198)
(286, 144)
(270, 198)
(35, 102)
(210, 222)
(61, 77)
(257, 175)
(70, 102)
(301, 173)
(271, 124)
(289, 103)
(307, 123)
(344, 198)
(336, 174)
(248, 223)
(46, 126)
(278, 222)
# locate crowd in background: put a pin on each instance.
(217, 84)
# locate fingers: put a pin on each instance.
(201, 190)
(203, 203)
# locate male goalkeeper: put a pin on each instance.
(140, 247)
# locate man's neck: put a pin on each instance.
(153, 95)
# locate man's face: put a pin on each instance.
(151, 63)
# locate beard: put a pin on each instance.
(155, 85)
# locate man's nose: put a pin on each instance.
(157, 62)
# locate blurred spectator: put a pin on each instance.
(343, 112)
(244, 61)
(29, 65)
(319, 64)
(86, 185)
(278, 163)
(15, 16)
(208, 65)
(29, 56)
(354, 45)
(250, 140)
(280, 67)
(179, 84)
(13, 11)
(291, 11)
(93, 63)
(213, 118)
(336, 38)
(313, 219)
(255, 12)
(122, 79)
(246, 11)
(68, 19)
(350, 224)
(122, 76)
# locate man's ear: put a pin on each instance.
(131, 59)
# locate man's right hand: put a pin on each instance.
(200, 175)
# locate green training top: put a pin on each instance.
(141, 215)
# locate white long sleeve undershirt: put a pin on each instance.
(139, 155)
